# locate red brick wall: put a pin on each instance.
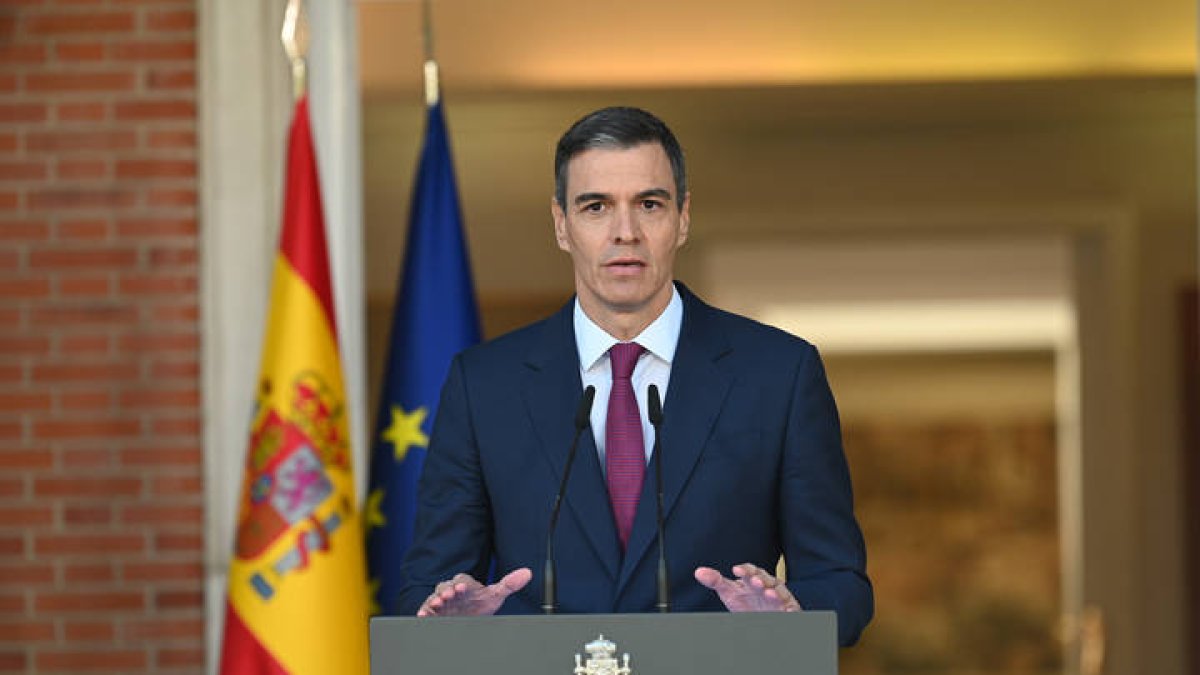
(101, 511)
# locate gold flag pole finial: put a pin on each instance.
(295, 43)
(432, 86)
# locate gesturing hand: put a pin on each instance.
(752, 591)
(464, 596)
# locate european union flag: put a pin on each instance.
(435, 318)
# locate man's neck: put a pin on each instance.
(625, 326)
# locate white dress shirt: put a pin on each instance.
(653, 367)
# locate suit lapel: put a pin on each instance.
(695, 396)
(552, 389)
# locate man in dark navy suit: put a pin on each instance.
(753, 466)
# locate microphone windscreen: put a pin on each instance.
(655, 405)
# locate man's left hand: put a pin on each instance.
(752, 589)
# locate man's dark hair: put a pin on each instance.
(620, 128)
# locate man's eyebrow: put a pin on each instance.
(592, 197)
(655, 192)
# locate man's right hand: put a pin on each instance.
(464, 596)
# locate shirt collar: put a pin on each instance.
(659, 338)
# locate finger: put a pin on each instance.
(712, 579)
(513, 581)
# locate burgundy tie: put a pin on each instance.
(624, 450)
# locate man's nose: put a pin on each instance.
(625, 225)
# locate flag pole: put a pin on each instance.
(295, 44)
(432, 86)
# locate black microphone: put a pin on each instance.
(583, 416)
(655, 414)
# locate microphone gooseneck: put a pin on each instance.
(655, 413)
(582, 418)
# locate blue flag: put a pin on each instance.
(435, 318)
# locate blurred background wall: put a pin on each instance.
(984, 215)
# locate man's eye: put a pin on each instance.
(593, 207)
(651, 204)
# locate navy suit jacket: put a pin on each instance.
(752, 468)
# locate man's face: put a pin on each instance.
(621, 225)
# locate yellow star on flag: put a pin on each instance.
(405, 430)
(373, 513)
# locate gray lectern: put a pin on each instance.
(804, 643)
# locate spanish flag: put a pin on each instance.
(297, 582)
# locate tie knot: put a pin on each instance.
(624, 356)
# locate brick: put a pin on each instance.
(84, 544)
(156, 227)
(163, 571)
(187, 426)
(85, 286)
(12, 487)
(171, 139)
(154, 168)
(89, 631)
(175, 486)
(160, 398)
(176, 657)
(84, 429)
(11, 374)
(26, 630)
(80, 82)
(72, 141)
(164, 629)
(22, 112)
(10, 430)
(79, 23)
(8, 142)
(170, 370)
(80, 487)
(11, 545)
(26, 573)
(164, 79)
(20, 345)
(26, 516)
(13, 662)
(172, 257)
(99, 372)
(82, 112)
(89, 572)
(22, 171)
(78, 401)
(80, 198)
(168, 20)
(90, 257)
(154, 284)
(168, 50)
(9, 258)
(97, 314)
(24, 288)
(185, 342)
(155, 110)
(87, 514)
(119, 660)
(82, 169)
(171, 197)
(172, 599)
(85, 344)
(168, 542)
(159, 514)
(88, 230)
(9, 200)
(24, 402)
(25, 459)
(79, 51)
(175, 313)
(12, 53)
(186, 455)
(86, 458)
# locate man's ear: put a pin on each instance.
(685, 220)
(560, 225)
